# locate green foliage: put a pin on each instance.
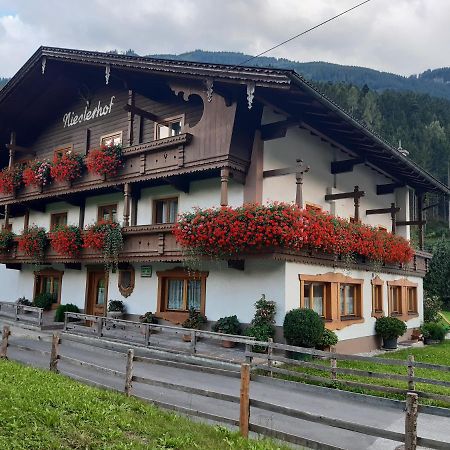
(24, 301)
(262, 326)
(437, 280)
(390, 327)
(6, 240)
(434, 331)
(303, 327)
(195, 319)
(61, 309)
(329, 339)
(44, 300)
(148, 317)
(431, 308)
(116, 306)
(227, 325)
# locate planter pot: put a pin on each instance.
(186, 337)
(115, 314)
(228, 344)
(428, 341)
(390, 344)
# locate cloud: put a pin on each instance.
(401, 36)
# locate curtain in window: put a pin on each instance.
(318, 297)
(173, 211)
(175, 294)
(347, 300)
(194, 294)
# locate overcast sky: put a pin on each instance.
(401, 36)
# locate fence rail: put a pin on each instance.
(22, 313)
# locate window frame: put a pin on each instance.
(101, 208)
(111, 135)
(155, 212)
(403, 286)
(54, 216)
(62, 150)
(168, 121)
(38, 280)
(377, 285)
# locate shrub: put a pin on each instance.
(329, 339)
(24, 301)
(59, 314)
(431, 307)
(303, 327)
(262, 326)
(116, 306)
(44, 301)
(148, 317)
(437, 279)
(434, 331)
(195, 319)
(227, 325)
(390, 327)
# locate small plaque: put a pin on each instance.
(146, 271)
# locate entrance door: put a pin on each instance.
(97, 292)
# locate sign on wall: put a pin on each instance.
(146, 271)
(72, 118)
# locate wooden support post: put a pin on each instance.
(248, 350)
(333, 365)
(412, 403)
(411, 382)
(356, 195)
(224, 177)
(12, 145)
(100, 327)
(126, 204)
(81, 216)
(193, 342)
(420, 220)
(301, 170)
(147, 333)
(244, 414)
(6, 224)
(4, 347)
(357, 202)
(130, 103)
(66, 321)
(54, 354)
(26, 220)
(129, 372)
(269, 355)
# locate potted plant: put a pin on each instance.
(433, 333)
(148, 317)
(194, 321)
(228, 325)
(10, 179)
(24, 301)
(37, 173)
(116, 309)
(33, 241)
(67, 167)
(105, 160)
(66, 240)
(6, 240)
(262, 326)
(329, 339)
(390, 329)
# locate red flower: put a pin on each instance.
(105, 160)
(66, 240)
(10, 178)
(33, 241)
(68, 166)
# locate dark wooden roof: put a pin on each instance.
(284, 89)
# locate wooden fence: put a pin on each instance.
(21, 313)
(244, 400)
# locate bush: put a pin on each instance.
(24, 301)
(329, 339)
(303, 327)
(434, 331)
(262, 326)
(116, 306)
(61, 309)
(195, 319)
(44, 301)
(148, 317)
(431, 307)
(437, 279)
(261, 333)
(390, 327)
(227, 325)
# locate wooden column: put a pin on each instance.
(302, 169)
(129, 372)
(224, 177)
(12, 145)
(26, 220)
(412, 406)
(244, 415)
(131, 101)
(357, 203)
(126, 204)
(356, 195)
(82, 212)
(4, 344)
(54, 354)
(6, 224)
(420, 220)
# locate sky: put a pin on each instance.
(401, 36)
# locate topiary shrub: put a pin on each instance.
(303, 327)
(44, 301)
(329, 339)
(61, 309)
(432, 304)
(262, 326)
(390, 327)
(433, 331)
(227, 325)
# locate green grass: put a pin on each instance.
(435, 354)
(446, 314)
(42, 410)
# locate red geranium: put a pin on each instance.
(37, 173)
(33, 241)
(67, 166)
(10, 178)
(66, 240)
(105, 160)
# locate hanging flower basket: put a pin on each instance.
(67, 167)
(6, 240)
(226, 232)
(66, 240)
(105, 161)
(105, 237)
(37, 173)
(10, 179)
(33, 242)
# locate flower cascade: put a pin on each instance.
(37, 173)
(33, 241)
(67, 166)
(6, 240)
(66, 240)
(226, 231)
(10, 179)
(105, 160)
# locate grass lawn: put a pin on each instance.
(435, 354)
(42, 410)
(446, 314)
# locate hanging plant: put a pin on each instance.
(105, 237)
(105, 160)
(11, 179)
(6, 240)
(33, 241)
(66, 240)
(68, 166)
(37, 173)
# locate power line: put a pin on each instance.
(302, 33)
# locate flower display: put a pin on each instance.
(6, 240)
(37, 173)
(67, 166)
(106, 237)
(33, 241)
(224, 232)
(66, 240)
(10, 179)
(105, 160)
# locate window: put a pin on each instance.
(60, 151)
(179, 291)
(126, 281)
(403, 299)
(170, 127)
(108, 213)
(396, 300)
(411, 295)
(165, 210)
(347, 300)
(58, 219)
(314, 295)
(377, 297)
(48, 282)
(111, 139)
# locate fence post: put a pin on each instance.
(40, 321)
(99, 326)
(147, 333)
(129, 372)
(54, 354)
(333, 365)
(269, 355)
(193, 341)
(244, 413)
(248, 349)
(66, 320)
(4, 347)
(411, 383)
(16, 312)
(412, 401)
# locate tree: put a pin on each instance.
(437, 280)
